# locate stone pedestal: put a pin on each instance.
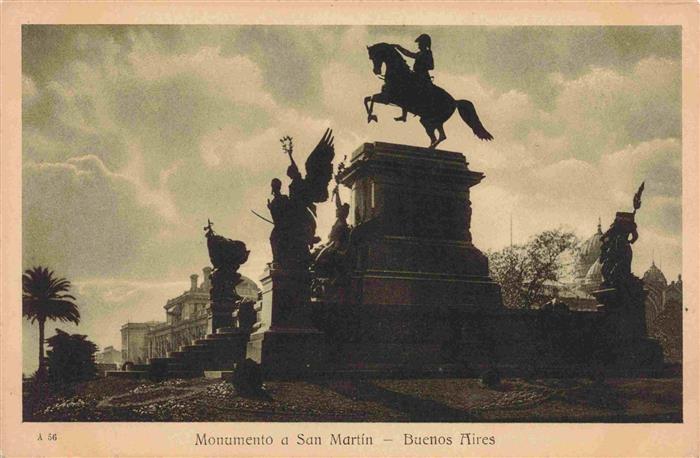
(287, 352)
(623, 343)
(285, 342)
(226, 341)
(223, 298)
(219, 316)
(416, 272)
(412, 215)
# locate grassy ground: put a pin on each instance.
(423, 400)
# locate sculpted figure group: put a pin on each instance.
(331, 261)
(616, 251)
(226, 257)
(294, 216)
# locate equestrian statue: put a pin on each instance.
(414, 91)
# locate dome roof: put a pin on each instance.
(589, 253)
(247, 288)
(654, 276)
(594, 276)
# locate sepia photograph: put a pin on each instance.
(366, 223)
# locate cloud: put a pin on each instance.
(606, 109)
(658, 162)
(290, 58)
(84, 219)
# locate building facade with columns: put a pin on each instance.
(109, 355)
(664, 312)
(185, 321)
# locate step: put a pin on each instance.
(219, 367)
(175, 354)
(161, 360)
(127, 374)
(201, 358)
(222, 374)
(217, 345)
(185, 374)
(188, 348)
(207, 342)
(223, 336)
(233, 332)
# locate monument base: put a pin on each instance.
(287, 352)
(219, 316)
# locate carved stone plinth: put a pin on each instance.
(623, 308)
(223, 299)
(622, 340)
(412, 213)
(285, 342)
(287, 352)
(219, 316)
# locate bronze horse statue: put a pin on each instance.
(431, 103)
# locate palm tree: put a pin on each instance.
(45, 297)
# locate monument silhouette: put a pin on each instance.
(401, 288)
(406, 291)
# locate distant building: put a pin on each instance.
(588, 270)
(664, 312)
(134, 347)
(576, 294)
(109, 355)
(185, 321)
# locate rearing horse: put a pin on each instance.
(431, 103)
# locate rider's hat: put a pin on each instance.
(424, 38)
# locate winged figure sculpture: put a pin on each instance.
(294, 216)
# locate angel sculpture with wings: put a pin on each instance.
(294, 216)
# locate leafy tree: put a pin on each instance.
(44, 297)
(71, 358)
(524, 270)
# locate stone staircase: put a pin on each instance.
(220, 351)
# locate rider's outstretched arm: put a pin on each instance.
(405, 51)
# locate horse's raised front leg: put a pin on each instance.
(376, 98)
(369, 106)
(368, 99)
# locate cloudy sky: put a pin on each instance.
(134, 136)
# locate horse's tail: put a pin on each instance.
(468, 114)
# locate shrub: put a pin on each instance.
(71, 358)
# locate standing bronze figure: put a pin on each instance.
(616, 249)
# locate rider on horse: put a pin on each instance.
(422, 65)
(413, 91)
